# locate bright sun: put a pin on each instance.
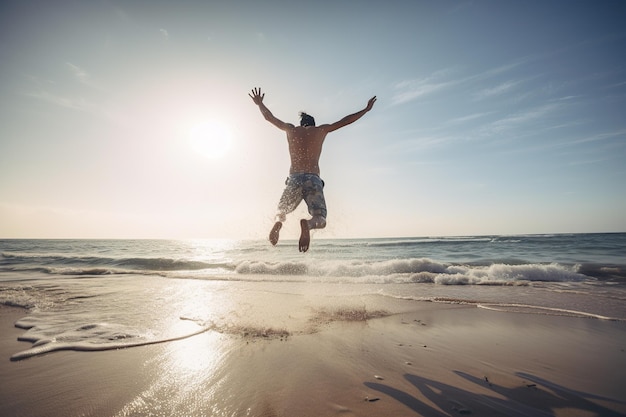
(210, 139)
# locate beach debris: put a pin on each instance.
(378, 377)
(531, 385)
(373, 399)
(487, 381)
(347, 314)
(251, 332)
(408, 363)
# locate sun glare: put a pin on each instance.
(210, 139)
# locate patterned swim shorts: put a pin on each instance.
(307, 187)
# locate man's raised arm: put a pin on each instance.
(351, 118)
(257, 97)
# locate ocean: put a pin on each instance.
(94, 295)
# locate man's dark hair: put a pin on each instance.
(306, 119)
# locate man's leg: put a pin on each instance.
(274, 232)
(316, 222)
(305, 236)
(314, 197)
(281, 216)
(289, 200)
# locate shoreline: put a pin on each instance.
(434, 360)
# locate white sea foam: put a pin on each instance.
(530, 309)
(91, 338)
(421, 270)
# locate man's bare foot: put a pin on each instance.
(305, 236)
(274, 233)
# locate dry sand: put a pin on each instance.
(433, 360)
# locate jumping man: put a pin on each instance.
(304, 183)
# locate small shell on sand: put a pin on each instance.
(378, 377)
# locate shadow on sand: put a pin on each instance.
(536, 397)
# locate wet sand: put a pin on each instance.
(428, 360)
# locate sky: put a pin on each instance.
(131, 119)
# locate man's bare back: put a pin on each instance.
(305, 148)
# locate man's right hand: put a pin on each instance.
(256, 96)
(370, 103)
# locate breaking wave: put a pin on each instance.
(417, 271)
(411, 270)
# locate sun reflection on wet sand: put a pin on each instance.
(194, 356)
(185, 378)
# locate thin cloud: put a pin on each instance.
(518, 119)
(600, 137)
(165, 34)
(469, 117)
(592, 161)
(82, 75)
(568, 142)
(617, 85)
(498, 90)
(501, 69)
(409, 90)
(420, 143)
(567, 98)
(79, 104)
(33, 79)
